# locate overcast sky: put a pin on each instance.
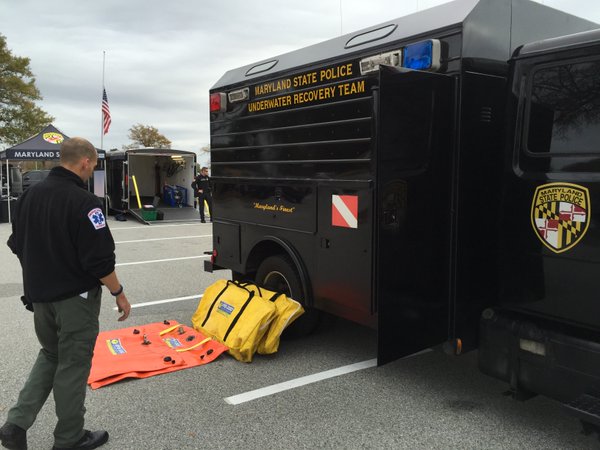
(163, 57)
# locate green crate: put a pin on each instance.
(149, 215)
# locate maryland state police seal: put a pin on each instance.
(560, 215)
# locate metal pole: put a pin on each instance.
(102, 135)
(8, 190)
(105, 186)
(341, 21)
(101, 113)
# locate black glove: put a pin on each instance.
(28, 305)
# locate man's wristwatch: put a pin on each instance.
(118, 291)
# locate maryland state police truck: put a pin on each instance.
(436, 177)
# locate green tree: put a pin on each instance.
(147, 136)
(204, 156)
(20, 117)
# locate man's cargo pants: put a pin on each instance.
(67, 332)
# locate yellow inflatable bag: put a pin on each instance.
(287, 310)
(235, 316)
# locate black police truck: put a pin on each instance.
(435, 177)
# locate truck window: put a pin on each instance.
(564, 109)
(371, 36)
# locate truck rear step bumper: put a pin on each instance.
(540, 356)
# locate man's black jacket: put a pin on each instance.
(201, 182)
(61, 238)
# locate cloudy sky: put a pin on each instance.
(163, 57)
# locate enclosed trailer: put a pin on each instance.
(163, 178)
(407, 177)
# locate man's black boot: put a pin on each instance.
(89, 441)
(13, 437)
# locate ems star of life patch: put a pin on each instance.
(560, 215)
(97, 218)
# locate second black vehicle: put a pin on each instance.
(34, 177)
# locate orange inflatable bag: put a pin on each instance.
(148, 350)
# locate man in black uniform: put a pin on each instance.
(66, 252)
(202, 191)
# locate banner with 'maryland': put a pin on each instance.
(43, 146)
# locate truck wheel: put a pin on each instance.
(277, 273)
(237, 276)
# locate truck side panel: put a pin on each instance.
(283, 173)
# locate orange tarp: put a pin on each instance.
(169, 346)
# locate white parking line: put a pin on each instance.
(160, 260)
(291, 384)
(160, 302)
(309, 379)
(164, 239)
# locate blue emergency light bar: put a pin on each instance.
(422, 55)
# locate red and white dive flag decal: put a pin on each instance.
(344, 211)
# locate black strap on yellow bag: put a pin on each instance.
(234, 315)
(287, 310)
(239, 314)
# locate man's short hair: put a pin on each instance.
(204, 168)
(74, 149)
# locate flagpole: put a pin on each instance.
(102, 135)
(101, 113)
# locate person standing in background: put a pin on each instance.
(202, 191)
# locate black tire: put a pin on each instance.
(237, 276)
(278, 273)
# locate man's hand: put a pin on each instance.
(123, 306)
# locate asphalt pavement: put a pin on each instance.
(428, 401)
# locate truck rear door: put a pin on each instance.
(413, 222)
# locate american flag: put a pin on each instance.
(105, 113)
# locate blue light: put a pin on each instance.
(418, 56)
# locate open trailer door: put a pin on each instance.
(125, 183)
(414, 227)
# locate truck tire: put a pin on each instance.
(278, 273)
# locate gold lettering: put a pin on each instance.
(308, 96)
(334, 73)
(265, 206)
(305, 79)
(270, 103)
(351, 88)
(272, 87)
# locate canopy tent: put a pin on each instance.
(45, 146)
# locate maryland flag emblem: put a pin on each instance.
(560, 215)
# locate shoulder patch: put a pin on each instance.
(97, 218)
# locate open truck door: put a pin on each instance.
(414, 235)
(125, 184)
